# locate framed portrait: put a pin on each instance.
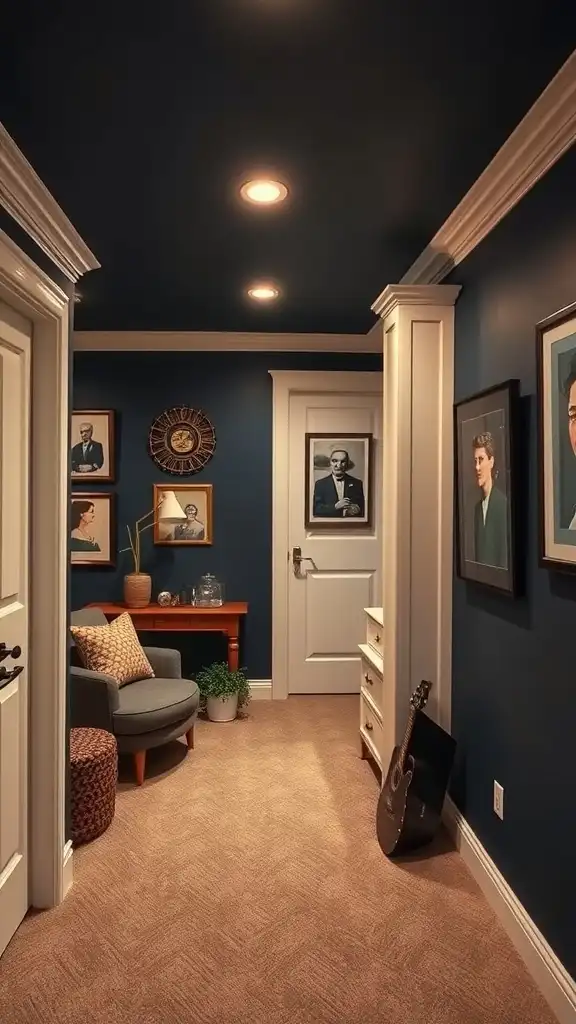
(556, 398)
(92, 528)
(338, 480)
(485, 435)
(195, 501)
(92, 441)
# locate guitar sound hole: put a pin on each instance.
(396, 777)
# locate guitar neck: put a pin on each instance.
(407, 737)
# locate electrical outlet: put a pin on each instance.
(498, 799)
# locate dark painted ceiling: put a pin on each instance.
(142, 118)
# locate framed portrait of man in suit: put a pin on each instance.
(92, 445)
(486, 436)
(556, 394)
(338, 489)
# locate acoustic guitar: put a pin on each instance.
(411, 799)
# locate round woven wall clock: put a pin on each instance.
(181, 440)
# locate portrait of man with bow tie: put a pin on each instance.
(336, 496)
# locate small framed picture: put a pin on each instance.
(556, 398)
(195, 500)
(92, 528)
(485, 436)
(338, 480)
(92, 439)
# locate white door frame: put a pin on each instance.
(284, 384)
(28, 290)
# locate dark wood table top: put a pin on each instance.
(228, 608)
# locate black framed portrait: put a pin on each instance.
(485, 436)
(556, 395)
(338, 480)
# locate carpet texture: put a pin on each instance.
(243, 884)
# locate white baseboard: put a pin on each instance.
(67, 869)
(553, 980)
(261, 689)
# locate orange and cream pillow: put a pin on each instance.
(113, 649)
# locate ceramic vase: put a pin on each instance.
(222, 709)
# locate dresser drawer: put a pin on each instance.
(371, 681)
(371, 727)
(374, 636)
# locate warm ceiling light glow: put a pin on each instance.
(264, 192)
(263, 292)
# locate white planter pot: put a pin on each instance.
(222, 709)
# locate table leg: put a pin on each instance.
(233, 652)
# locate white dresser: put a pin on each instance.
(371, 696)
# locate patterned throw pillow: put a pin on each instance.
(113, 649)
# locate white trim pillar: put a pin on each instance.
(418, 346)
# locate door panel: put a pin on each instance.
(14, 537)
(340, 575)
(334, 604)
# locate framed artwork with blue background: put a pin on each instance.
(556, 364)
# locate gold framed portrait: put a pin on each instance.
(195, 501)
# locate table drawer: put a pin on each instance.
(371, 682)
(371, 727)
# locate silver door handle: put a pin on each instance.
(298, 558)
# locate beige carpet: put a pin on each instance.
(245, 884)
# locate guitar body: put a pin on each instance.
(393, 804)
(411, 800)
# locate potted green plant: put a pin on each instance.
(223, 691)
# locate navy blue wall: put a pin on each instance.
(514, 663)
(235, 391)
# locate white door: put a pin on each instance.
(327, 592)
(15, 340)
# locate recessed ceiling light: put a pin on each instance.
(263, 292)
(263, 191)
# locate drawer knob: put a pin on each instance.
(369, 726)
(367, 678)
(377, 638)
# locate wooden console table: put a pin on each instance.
(185, 618)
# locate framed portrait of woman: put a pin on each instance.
(92, 528)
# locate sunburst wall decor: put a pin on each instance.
(181, 440)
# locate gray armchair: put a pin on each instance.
(141, 715)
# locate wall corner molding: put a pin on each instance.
(28, 201)
(415, 295)
(542, 137)
(548, 973)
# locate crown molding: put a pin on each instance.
(415, 295)
(542, 137)
(221, 341)
(32, 206)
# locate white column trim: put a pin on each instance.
(542, 137)
(285, 383)
(418, 324)
(33, 294)
(32, 206)
(220, 341)
(415, 295)
(551, 977)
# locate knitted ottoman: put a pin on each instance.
(94, 773)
